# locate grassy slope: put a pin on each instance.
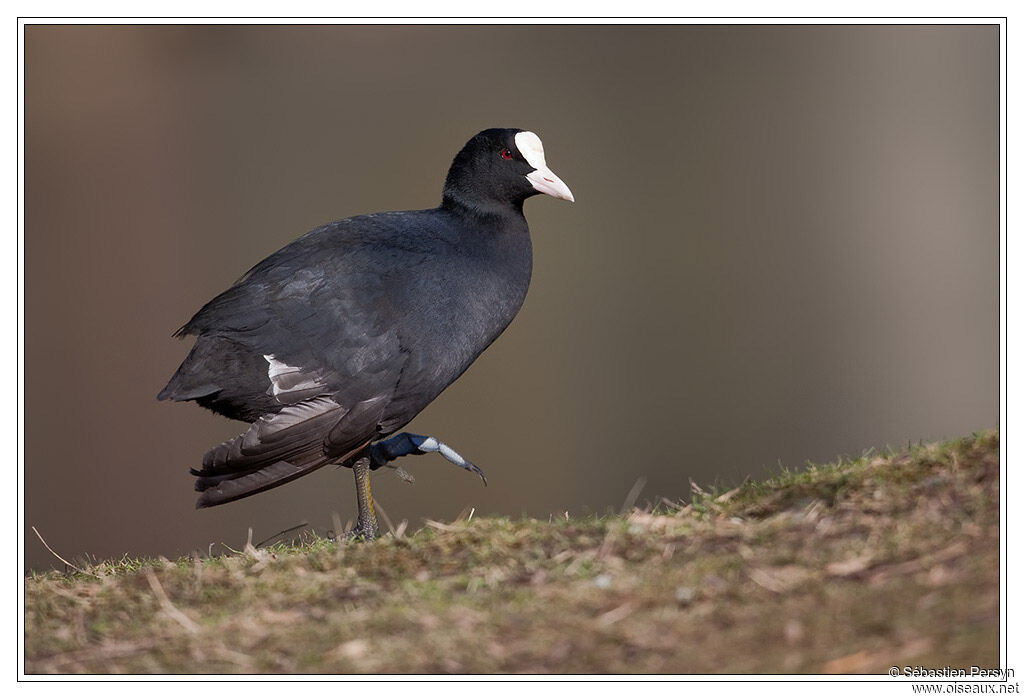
(849, 567)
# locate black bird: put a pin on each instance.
(340, 338)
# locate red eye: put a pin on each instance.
(506, 154)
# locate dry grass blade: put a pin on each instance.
(60, 558)
(616, 615)
(289, 530)
(384, 516)
(249, 548)
(727, 496)
(168, 606)
(632, 495)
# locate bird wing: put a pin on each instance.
(319, 317)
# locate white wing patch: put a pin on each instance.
(288, 381)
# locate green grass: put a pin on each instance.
(853, 566)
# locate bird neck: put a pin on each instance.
(472, 205)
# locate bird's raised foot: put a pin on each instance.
(405, 444)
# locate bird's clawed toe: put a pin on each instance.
(477, 470)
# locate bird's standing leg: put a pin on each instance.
(407, 443)
(367, 527)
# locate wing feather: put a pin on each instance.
(295, 430)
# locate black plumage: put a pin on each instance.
(340, 338)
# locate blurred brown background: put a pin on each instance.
(784, 247)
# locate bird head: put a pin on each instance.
(502, 167)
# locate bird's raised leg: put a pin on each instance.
(367, 527)
(406, 443)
